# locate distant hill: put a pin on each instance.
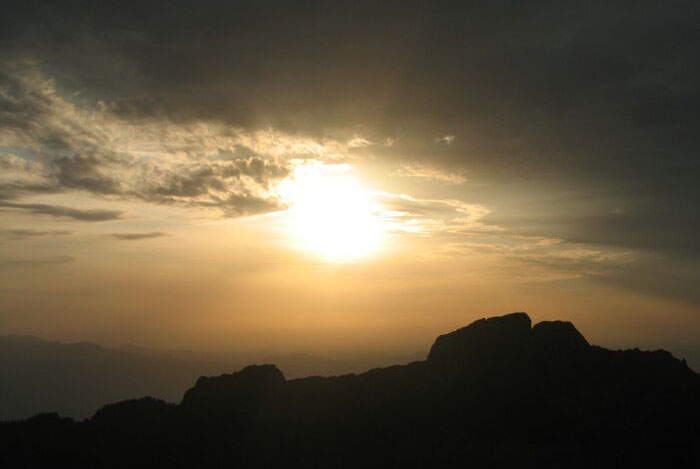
(497, 393)
(77, 379)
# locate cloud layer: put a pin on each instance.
(569, 121)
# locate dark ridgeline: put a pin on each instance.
(75, 380)
(498, 393)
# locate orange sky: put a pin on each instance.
(348, 177)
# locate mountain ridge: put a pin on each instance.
(75, 379)
(496, 392)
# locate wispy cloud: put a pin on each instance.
(18, 234)
(137, 236)
(64, 212)
(445, 139)
(53, 145)
(431, 173)
(458, 229)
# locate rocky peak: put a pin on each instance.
(558, 335)
(240, 391)
(491, 337)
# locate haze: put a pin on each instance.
(348, 177)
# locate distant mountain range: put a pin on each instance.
(497, 393)
(77, 379)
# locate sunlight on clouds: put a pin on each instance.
(94, 149)
(431, 174)
(216, 170)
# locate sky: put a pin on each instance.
(331, 177)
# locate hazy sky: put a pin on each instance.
(337, 176)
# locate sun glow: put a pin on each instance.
(332, 215)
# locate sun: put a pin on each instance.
(332, 215)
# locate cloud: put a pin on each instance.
(64, 212)
(459, 230)
(594, 99)
(433, 217)
(357, 141)
(197, 179)
(595, 105)
(56, 145)
(19, 234)
(646, 224)
(431, 173)
(137, 236)
(445, 139)
(246, 204)
(84, 173)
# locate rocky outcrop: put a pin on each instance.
(496, 336)
(507, 337)
(559, 336)
(243, 391)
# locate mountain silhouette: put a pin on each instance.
(497, 393)
(75, 380)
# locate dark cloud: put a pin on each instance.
(665, 222)
(15, 190)
(674, 278)
(247, 204)
(137, 236)
(192, 184)
(259, 169)
(216, 185)
(66, 145)
(83, 173)
(64, 212)
(199, 179)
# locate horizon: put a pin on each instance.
(335, 361)
(347, 178)
(128, 374)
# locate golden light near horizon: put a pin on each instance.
(331, 214)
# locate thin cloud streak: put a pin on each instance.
(20, 234)
(94, 215)
(137, 236)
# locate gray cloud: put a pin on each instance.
(138, 236)
(57, 145)
(204, 177)
(246, 204)
(80, 172)
(18, 234)
(650, 222)
(64, 212)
